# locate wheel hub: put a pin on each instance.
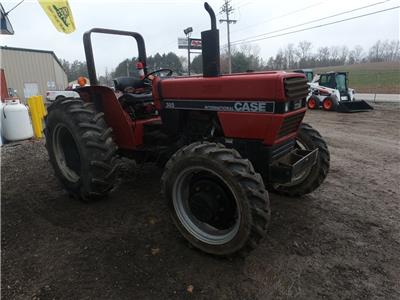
(210, 203)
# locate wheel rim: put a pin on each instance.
(328, 104)
(206, 206)
(66, 153)
(311, 103)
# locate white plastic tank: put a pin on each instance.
(16, 123)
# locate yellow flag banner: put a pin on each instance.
(60, 14)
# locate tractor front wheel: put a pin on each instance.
(216, 199)
(311, 178)
(81, 148)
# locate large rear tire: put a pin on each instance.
(81, 149)
(308, 139)
(216, 199)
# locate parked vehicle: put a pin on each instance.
(67, 93)
(223, 140)
(309, 73)
(330, 91)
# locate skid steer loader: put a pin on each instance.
(223, 140)
(309, 73)
(331, 92)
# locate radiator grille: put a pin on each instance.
(296, 88)
(290, 124)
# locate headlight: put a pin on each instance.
(287, 106)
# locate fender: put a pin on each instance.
(105, 101)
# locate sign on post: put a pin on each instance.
(194, 43)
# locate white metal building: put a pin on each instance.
(32, 72)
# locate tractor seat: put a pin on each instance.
(136, 99)
(121, 83)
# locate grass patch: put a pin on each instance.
(383, 78)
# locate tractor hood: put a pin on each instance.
(260, 86)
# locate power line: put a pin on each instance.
(5, 14)
(312, 21)
(317, 26)
(278, 17)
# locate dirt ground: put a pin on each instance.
(340, 242)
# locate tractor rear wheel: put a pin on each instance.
(216, 199)
(309, 180)
(81, 149)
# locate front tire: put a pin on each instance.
(81, 149)
(216, 199)
(308, 139)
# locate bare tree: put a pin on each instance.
(376, 52)
(356, 55)
(289, 56)
(334, 55)
(396, 50)
(270, 64)
(323, 56)
(279, 60)
(304, 49)
(343, 54)
(389, 50)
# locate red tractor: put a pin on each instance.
(223, 140)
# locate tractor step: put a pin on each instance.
(290, 166)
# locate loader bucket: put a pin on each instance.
(353, 106)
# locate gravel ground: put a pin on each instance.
(340, 242)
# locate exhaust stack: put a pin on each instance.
(210, 47)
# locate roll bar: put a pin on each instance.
(87, 43)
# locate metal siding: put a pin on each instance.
(31, 67)
(60, 76)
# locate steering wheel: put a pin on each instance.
(147, 80)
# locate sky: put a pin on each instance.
(161, 22)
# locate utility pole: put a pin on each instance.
(188, 41)
(227, 9)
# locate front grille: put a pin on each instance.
(290, 124)
(296, 88)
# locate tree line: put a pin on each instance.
(302, 56)
(246, 58)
